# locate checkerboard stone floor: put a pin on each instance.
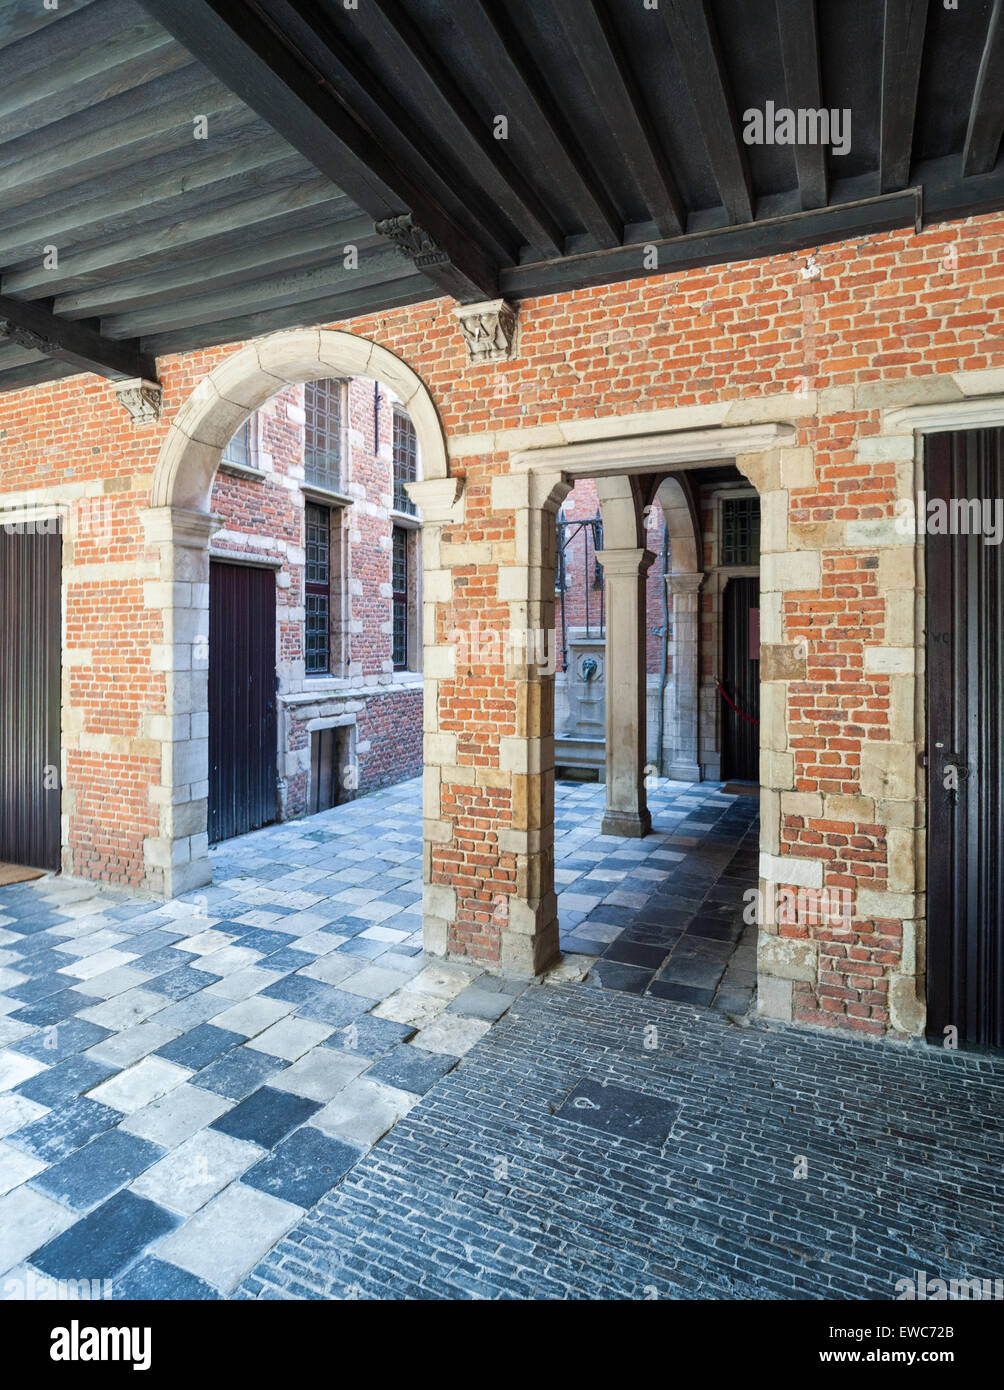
(181, 1083)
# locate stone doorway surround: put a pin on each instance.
(178, 526)
(622, 456)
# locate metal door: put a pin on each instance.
(965, 696)
(741, 680)
(30, 640)
(242, 705)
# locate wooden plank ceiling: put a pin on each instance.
(124, 237)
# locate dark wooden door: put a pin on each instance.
(30, 640)
(965, 750)
(741, 679)
(242, 706)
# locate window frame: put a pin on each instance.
(249, 428)
(404, 462)
(317, 588)
(317, 421)
(400, 598)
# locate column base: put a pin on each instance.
(631, 823)
(683, 772)
(523, 957)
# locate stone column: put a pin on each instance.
(684, 764)
(624, 577)
(177, 858)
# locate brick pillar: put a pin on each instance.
(685, 760)
(529, 936)
(624, 578)
(177, 859)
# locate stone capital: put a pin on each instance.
(179, 526)
(625, 564)
(685, 583)
(437, 498)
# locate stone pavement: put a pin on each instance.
(601, 1144)
(181, 1082)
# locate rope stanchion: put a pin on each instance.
(750, 719)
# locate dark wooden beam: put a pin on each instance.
(340, 308)
(516, 197)
(986, 114)
(796, 22)
(85, 58)
(75, 344)
(297, 202)
(239, 45)
(318, 280)
(500, 49)
(108, 208)
(605, 66)
(230, 265)
(770, 237)
(106, 137)
(34, 374)
(903, 26)
(695, 42)
(19, 18)
(420, 149)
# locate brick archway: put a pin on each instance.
(178, 526)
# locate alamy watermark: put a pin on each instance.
(780, 125)
(952, 516)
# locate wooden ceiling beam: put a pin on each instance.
(517, 198)
(35, 327)
(799, 32)
(695, 42)
(986, 114)
(600, 54)
(903, 26)
(502, 53)
(240, 46)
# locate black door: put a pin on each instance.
(30, 626)
(242, 720)
(965, 697)
(741, 680)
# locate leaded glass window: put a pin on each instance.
(399, 583)
(322, 404)
(740, 531)
(317, 595)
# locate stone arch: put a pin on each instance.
(178, 527)
(184, 472)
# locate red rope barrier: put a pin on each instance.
(729, 701)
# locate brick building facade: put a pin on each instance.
(267, 489)
(818, 389)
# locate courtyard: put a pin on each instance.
(183, 1082)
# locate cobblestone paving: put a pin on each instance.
(601, 1144)
(181, 1082)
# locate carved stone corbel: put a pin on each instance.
(142, 399)
(412, 241)
(489, 330)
